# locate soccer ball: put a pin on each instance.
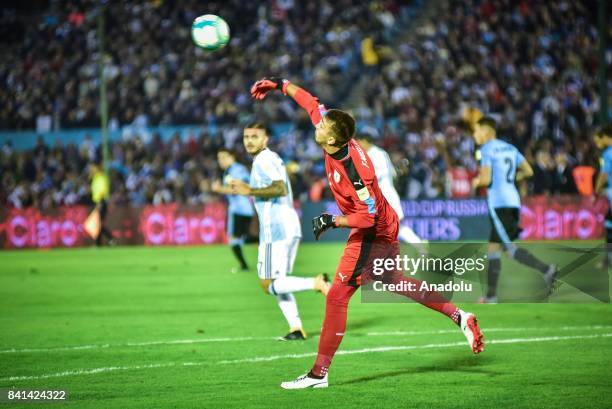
(210, 32)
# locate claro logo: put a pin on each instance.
(166, 224)
(163, 228)
(30, 229)
(169, 224)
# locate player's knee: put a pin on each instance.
(494, 247)
(495, 255)
(265, 285)
(236, 241)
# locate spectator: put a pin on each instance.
(532, 65)
(563, 179)
(543, 173)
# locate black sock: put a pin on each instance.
(237, 249)
(493, 275)
(525, 257)
(106, 233)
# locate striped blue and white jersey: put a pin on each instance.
(278, 220)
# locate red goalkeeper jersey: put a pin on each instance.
(354, 184)
(355, 187)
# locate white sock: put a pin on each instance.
(406, 235)
(288, 306)
(286, 285)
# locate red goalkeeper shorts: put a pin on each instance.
(357, 262)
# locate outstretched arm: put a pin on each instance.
(276, 189)
(524, 171)
(484, 177)
(308, 102)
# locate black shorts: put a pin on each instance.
(504, 224)
(238, 225)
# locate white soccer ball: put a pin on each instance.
(210, 32)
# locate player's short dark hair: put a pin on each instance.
(342, 125)
(605, 130)
(229, 151)
(488, 121)
(258, 125)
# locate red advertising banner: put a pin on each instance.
(563, 217)
(167, 224)
(542, 218)
(150, 225)
(61, 227)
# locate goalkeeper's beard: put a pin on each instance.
(255, 153)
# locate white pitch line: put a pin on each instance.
(99, 370)
(85, 372)
(485, 330)
(241, 339)
(136, 344)
(409, 347)
(93, 371)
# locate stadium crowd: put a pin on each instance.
(531, 64)
(155, 74)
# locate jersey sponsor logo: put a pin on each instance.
(363, 193)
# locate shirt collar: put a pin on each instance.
(342, 154)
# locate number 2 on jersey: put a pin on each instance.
(510, 173)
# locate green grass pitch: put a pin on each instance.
(138, 327)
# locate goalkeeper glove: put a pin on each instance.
(265, 85)
(322, 223)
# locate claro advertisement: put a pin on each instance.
(542, 218)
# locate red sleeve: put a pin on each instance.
(310, 104)
(361, 220)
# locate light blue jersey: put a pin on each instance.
(607, 169)
(240, 205)
(503, 159)
(278, 219)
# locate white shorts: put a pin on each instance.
(276, 259)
